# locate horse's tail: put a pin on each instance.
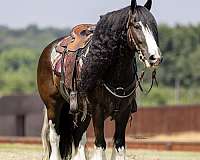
(66, 128)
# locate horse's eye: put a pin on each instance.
(137, 26)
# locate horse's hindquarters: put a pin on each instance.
(45, 79)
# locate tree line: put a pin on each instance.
(20, 50)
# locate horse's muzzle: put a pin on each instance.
(156, 62)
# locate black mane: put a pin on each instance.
(116, 21)
(109, 40)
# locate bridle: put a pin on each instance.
(134, 85)
(131, 38)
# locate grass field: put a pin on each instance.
(34, 152)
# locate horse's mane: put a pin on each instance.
(109, 39)
(116, 21)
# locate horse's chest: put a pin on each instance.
(108, 102)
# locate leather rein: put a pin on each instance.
(142, 58)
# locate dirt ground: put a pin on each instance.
(34, 152)
(178, 137)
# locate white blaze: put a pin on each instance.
(151, 43)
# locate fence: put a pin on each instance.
(22, 116)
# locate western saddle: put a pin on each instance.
(67, 66)
(79, 38)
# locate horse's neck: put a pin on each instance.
(122, 73)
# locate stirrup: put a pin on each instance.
(73, 101)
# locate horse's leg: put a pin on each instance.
(50, 95)
(44, 136)
(100, 143)
(53, 113)
(54, 141)
(80, 139)
(50, 138)
(53, 107)
(119, 152)
(80, 153)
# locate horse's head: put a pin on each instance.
(143, 34)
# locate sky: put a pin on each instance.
(67, 13)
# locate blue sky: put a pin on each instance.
(63, 13)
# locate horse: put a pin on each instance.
(109, 70)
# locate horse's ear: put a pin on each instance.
(148, 4)
(133, 5)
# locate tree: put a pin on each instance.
(18, 71)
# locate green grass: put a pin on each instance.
(34, 152)
(162, 95)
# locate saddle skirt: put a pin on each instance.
(71, 46)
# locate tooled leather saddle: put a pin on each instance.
(66, 65)
(69, 48)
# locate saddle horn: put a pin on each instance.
(148, 4)
(133, 5)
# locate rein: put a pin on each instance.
(138, 84)
(153, 79)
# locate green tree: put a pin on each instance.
(18, 71)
